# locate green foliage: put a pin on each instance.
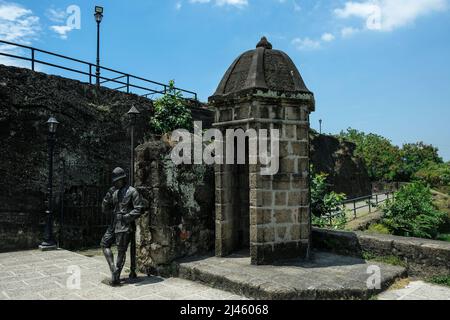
(434, 174)
(412, 212)
(416, 156)
(382, 159)
(441, 280)
(444, 237)
(386, 162)
(171, 113)
(324, 202)
(393, 260)
(378, 228)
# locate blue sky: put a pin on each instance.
(380, 66)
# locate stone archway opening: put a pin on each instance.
(241, 200)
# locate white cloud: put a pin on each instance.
(328, 37)
(178, 5)
(388, 15)
(62, 31)
(306, 44)
(56, 15)
(348, 31)
(17, 24)
(234, 3)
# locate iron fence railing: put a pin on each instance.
(370, 201)
(125, 81)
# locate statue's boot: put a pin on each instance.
(121, 256)
(107, 252)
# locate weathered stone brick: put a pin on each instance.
(283, 216)
(304, 215)
(289, 131)
(300, 148)
(288, 165)
(280, 198)
(267, 198)
(295, 231)
(260, 216)
(294, 198)
(281, 233)
(293, 113)
(299, 183)
(302, 132)
(269, 233)
(304, 231)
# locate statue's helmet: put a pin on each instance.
(117, 174)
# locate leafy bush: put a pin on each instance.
(378, 228)
(434, 174)
(412, 212)
(324, 203)
(441, 280)
(171, 113)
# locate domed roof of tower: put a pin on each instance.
(262, 68)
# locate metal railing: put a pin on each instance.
(370, 201)
(124, 80)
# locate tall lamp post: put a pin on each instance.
(320, 124)
(49, 240)
(98, 18)
(133, 114)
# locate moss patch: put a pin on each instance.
(440, 280)
(393, 260)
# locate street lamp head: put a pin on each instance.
(52, 124)
(133, 112)
(98, 14)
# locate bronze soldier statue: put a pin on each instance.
(126, 205)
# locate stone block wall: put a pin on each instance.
(422, 257)
(179, 219)
(93, 138)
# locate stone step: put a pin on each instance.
(327, 276)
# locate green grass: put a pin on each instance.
(440, 280)
(393, 260)
(378, 228)
(444, 237)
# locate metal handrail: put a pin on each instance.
(331, 215)
(126, 84)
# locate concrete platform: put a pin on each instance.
(328, 276)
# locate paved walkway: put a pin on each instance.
(36, 275)
(417, 290)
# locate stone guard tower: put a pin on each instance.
(270, 215)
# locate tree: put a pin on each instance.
(382, 158)
(417, 156)
(171, 112)
(434, 174)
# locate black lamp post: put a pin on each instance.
(133, 114)
(320, 124)
(98, 18)
(49, 240)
